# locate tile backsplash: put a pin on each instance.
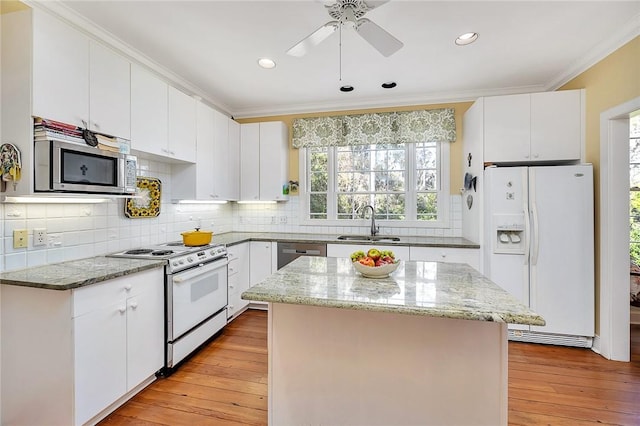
(76, 231)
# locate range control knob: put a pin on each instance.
(181, 261)
(190, 259)
(175, 263)
(212, 252)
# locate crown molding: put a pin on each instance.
(622, 36)
(424, 99)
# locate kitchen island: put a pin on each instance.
(427, 345)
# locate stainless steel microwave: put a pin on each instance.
(76, 168)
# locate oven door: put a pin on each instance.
(195, 295)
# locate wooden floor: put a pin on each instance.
(226, 383)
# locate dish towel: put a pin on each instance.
(11, 165)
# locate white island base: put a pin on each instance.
(330, 366)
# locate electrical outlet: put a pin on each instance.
(283, 220)
(39, 237)
(20, 238)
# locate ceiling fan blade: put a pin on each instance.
(314, 39)
(372, 4)
(384, 42)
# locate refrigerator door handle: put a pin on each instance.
(527, 234)
(535, 236)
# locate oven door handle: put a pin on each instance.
(201, 270)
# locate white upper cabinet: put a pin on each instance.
(533, 127)
(182, 126)
(250, 162)
(60, 71)
(214, 176)
(234, 160)
(225, 155)
(109, 92)
(148, 112)
(264, 161)
(556, 125)
(78, 81)
(163, 119)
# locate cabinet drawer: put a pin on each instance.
(233, 267)
(93, 297)
(238, 251)
(236, 305)
(446, 254)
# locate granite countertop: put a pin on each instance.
(447, 290)
(76, 273)
(232, 238)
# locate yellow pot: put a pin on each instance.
(196, 238)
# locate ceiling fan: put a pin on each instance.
(350, 13)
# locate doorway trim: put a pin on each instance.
(614, 231)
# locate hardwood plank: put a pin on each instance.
(226, 383)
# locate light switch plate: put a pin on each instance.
(20, 238)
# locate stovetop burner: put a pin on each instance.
(162, 252)
(138, 251)
(175, 244)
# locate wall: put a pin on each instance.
(612, 81)
(455, 165)
(86, 230)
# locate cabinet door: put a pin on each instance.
(221, 156)
(181, 129)
(148, 112)
(233, 190)
(260, 261)
(250, 162)
(274, 160)
(109, 92)
(205, 171)
(556, 123)
(60, 71)
(145, 330)
(507, 128)
(100, 359)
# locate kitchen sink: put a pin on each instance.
(368, 238)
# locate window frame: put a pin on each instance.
(443, 192)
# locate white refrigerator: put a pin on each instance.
(539, 247)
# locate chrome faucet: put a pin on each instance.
(374, 228)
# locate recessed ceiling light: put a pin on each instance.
(389, 85)
(266, 63)
(346, 88)
(466, 38)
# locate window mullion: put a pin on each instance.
(410, 190)
(332, 190)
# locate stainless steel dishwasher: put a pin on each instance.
(288, 252)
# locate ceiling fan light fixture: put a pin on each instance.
(466, 38)
(266, 63)
(389, 85)
(346, 88)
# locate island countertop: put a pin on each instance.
(446, 290)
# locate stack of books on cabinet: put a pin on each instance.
(46, 130)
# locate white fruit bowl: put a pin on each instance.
(376, 271)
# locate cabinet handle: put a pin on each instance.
(172, 153)
(443, 255)
(231, 270)
(213, 195)
(96, 125)
(526, 156)
(535, 155)
(231, 286)
(165, 150)
(128, 287)
(134, 305)
(122, 309)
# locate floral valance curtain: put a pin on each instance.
(376, 128)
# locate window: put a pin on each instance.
(403, 182)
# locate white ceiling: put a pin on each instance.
(212, 47)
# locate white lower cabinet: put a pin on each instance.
(469, 256)
(345, 250)
(238, 278)
(262, 265)
(71, 356)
